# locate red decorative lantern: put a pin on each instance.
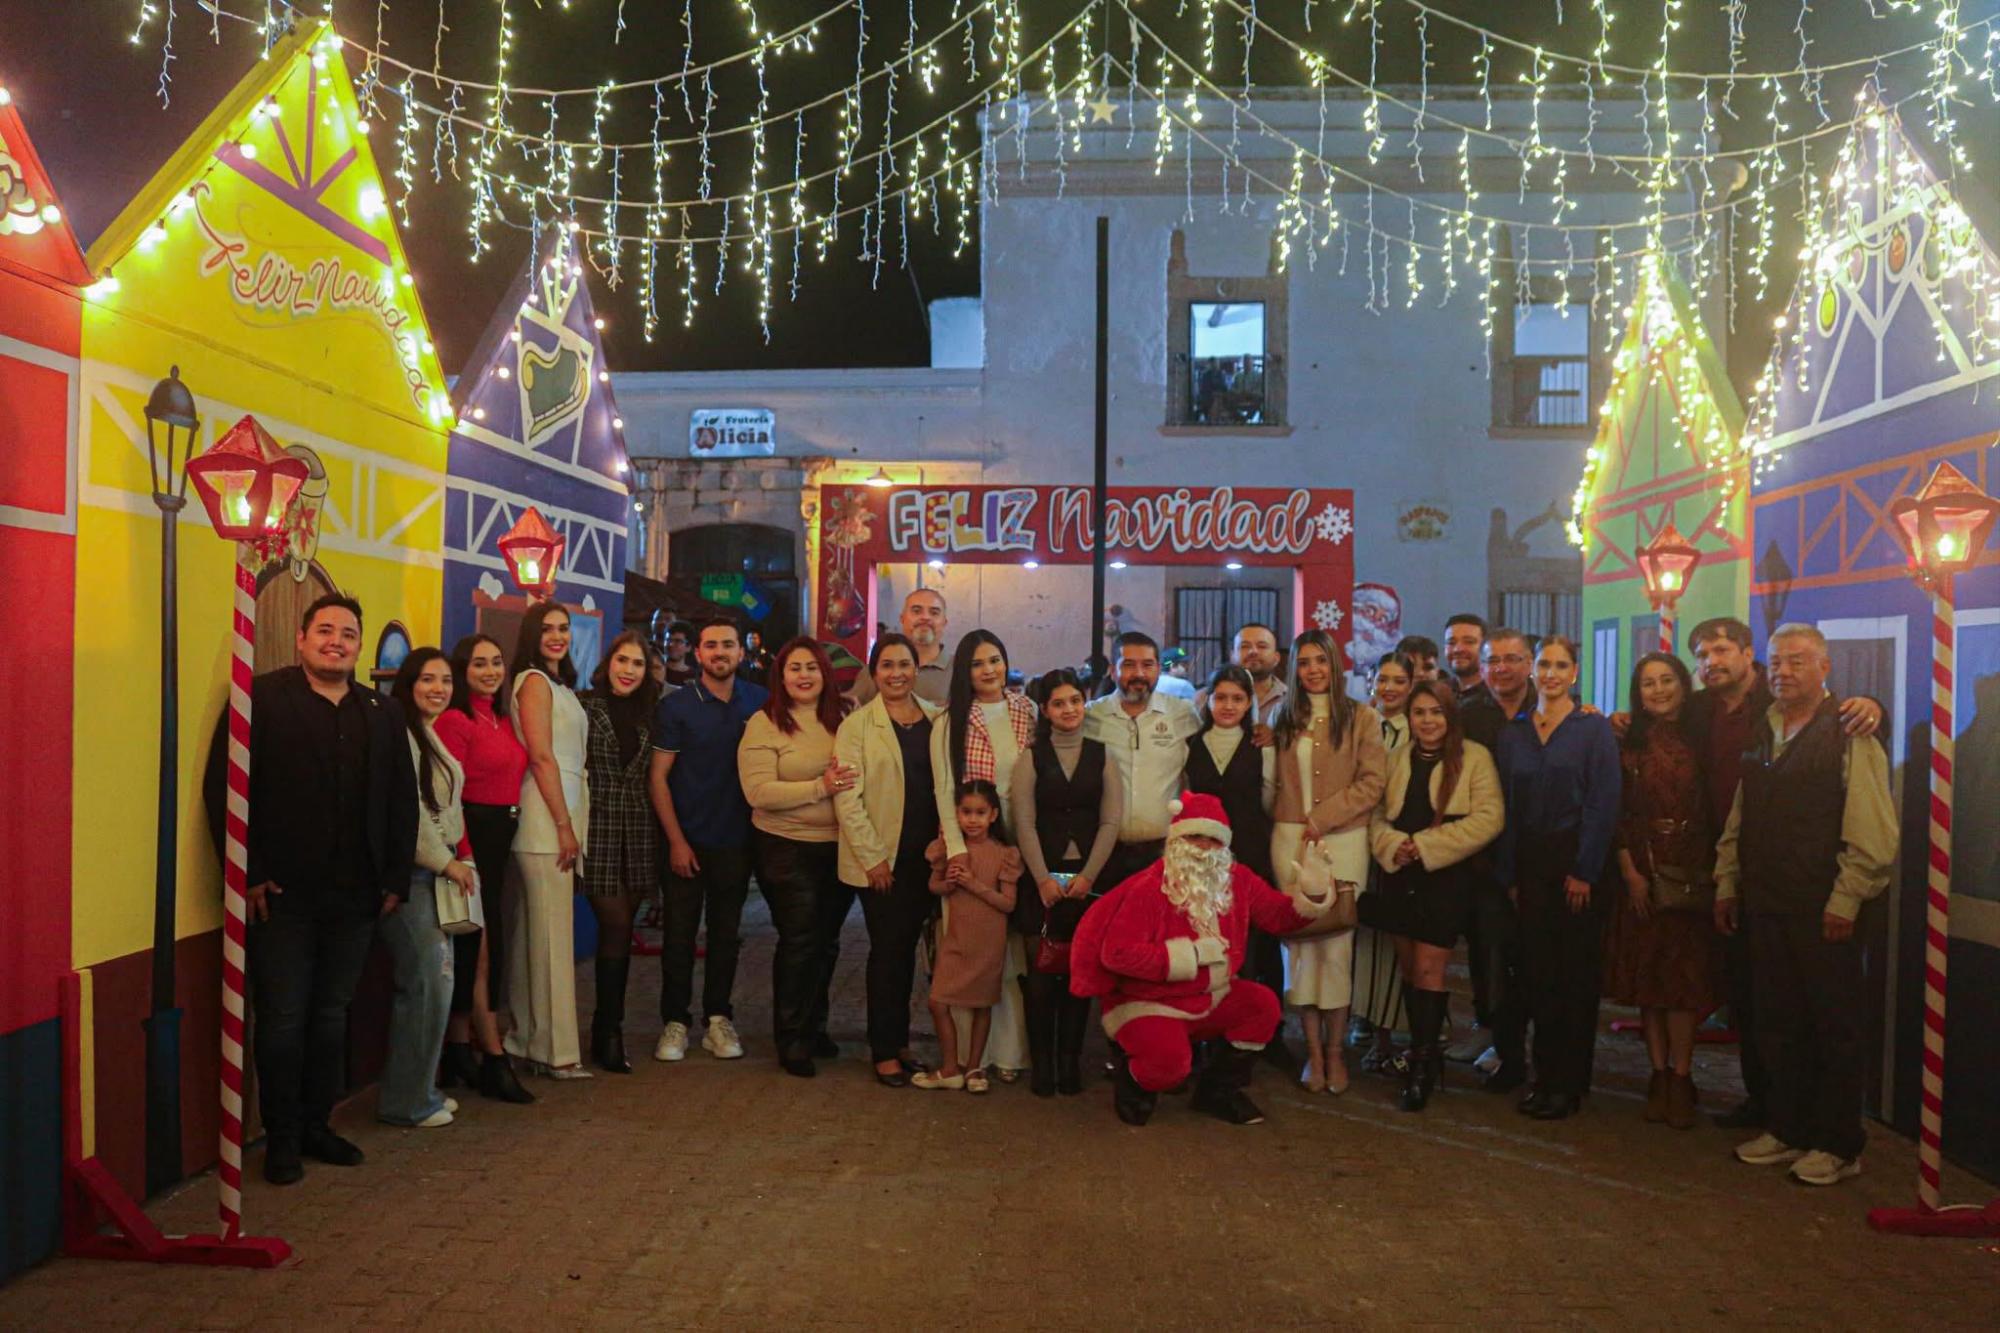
(1667, 563)
(247, 482)
(533, 551)
(1945, 525)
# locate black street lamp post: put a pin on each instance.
(171, 424)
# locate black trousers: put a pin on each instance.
(895, 917)
(1562, 956)
(808, 902)
(1493, 944)
(490, 829)
(1743, 1015)
(1126, 860)
(717, 888)
(304, 964)
(1809, 1028)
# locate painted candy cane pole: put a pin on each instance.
(235, 885)
(1667, 630)
(1937, 906)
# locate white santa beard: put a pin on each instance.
(1197, 881)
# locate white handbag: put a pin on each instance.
(459, 912)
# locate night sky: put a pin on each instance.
(89, 97)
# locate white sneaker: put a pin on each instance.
(435, 1120)
(1767, 1150)
(720, 1040)
(673, 1043)
(1488, 1061)
(451, 1105)
(1823, 1168)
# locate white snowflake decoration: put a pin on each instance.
(1327, 615)
(1333, 525)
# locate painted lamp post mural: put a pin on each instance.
(171, 423)
(1944, 527)
(1667, 563)
(533, 551)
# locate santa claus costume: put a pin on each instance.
(1163, 949)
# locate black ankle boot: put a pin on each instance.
(497, 1080)
(1072, 1022)
(1039, 1002)
(1426, 1061)
(458, 1066)
(607, 1035)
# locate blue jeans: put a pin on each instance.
(423, 957)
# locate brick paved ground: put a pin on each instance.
(713, 1194)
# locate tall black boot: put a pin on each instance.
(1426, 1062)
(1133, 1103)
(607, 1026)
(1072, 1022)
(1221, 1089)
(1040, 995)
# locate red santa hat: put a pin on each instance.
(1198, 814)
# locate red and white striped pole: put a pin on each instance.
(1667, 630)
(235, 887)
(1937, 898)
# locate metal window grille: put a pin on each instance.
(1543, 613)
(1206, 621)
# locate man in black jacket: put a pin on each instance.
(332, 837)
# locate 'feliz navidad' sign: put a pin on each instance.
(1309, 530)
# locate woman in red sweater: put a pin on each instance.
(476, 731)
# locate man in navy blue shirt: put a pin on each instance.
(700, 803)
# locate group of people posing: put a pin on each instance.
(1185, 864)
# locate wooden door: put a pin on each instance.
(281, 600)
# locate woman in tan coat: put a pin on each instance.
(1440, 809)
(1331, 768)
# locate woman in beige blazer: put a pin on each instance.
(887, 818)
(1439, 811)
(1331, 766)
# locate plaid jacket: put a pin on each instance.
(624, 832)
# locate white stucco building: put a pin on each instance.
(1460, 455)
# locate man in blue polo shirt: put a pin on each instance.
(700, 803)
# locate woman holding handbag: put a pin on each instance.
(416, 939)
(1331, 769)
(476, 732)
(1661, 950)
(1441, 806)
(619, 871)
(887, 818)
(1068, 804)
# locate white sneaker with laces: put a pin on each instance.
(721, 1040)
(1823, 1168)
(673, 1044)
(1767, 1150)
(435, 1120)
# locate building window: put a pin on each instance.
(1225, 349)
(1539, 614)
(1550, 368)
(1225, 363)
(1547, 369)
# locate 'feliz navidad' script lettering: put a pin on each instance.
(944, 522)
(271, 282)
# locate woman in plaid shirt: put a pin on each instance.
(618, 869)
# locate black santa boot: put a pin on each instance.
(1221, 1090)
(1133, 1103)
(1426, 1059)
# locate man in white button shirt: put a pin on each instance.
(1145, 733)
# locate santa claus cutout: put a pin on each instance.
(1163, 950)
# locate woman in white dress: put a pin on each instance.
(985, 727)
(555, 819)
(1331, 770)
